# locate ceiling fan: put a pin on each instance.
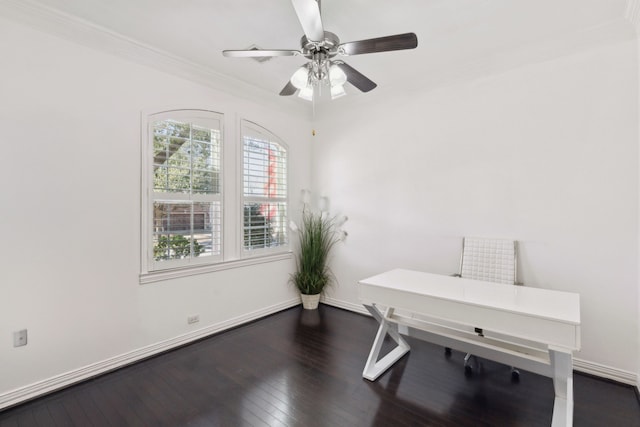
(321, 47)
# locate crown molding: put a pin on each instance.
(88, 34)
(77, 30)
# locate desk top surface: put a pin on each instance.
(544, 303)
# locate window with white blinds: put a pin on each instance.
(209, 202)
(185, 203)
(264, 178)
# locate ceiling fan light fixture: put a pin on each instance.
(300, 78)
(306, 93)
(337, 91)
(319, 47)
(336, 76)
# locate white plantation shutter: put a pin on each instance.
(264, 178)
(188, 225)
(186, 193)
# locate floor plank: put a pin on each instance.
(304, 368)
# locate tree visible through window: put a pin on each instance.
(186, 188)
(186, 220)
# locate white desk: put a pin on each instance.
(533, 329)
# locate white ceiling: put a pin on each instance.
(456, 38)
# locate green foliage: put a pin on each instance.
(175, 247)
(317, 237)
(186, 158)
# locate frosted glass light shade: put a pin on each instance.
(337, 76)
(337, 92)
(306, 93)
(300, 78)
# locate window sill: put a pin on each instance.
(175, 273)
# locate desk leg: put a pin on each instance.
(562, 370)
(374, 367)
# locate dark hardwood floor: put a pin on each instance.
(304, 368)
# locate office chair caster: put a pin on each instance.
(447, 352)
(470, 362)
(468, 371)
(515, 375)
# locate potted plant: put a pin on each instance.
(317, 236)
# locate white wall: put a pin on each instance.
(70, 216)
(546, 154)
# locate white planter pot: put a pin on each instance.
(310, 302)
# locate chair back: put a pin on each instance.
(492, 260)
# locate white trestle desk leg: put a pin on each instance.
(562, 370)
(374, 367)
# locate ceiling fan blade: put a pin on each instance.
(356, 78)
(381, 44)
(252, 53)
(308, 12)
(288, 90)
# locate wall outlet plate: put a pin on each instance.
(193, 319)
(20, 338)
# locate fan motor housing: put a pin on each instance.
(329, 45)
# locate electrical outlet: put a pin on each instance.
(20, 338)
(193, 319)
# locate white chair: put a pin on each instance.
(491, 260)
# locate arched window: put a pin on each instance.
(264, 195)
(196, 215)
(185, 191)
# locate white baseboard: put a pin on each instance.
(57, 382)
(591, 368)
(604, 371)
(358, 308)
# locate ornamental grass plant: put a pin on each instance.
(317, 236)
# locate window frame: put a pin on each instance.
(257, 129)
(231, 198)
(149, 196)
